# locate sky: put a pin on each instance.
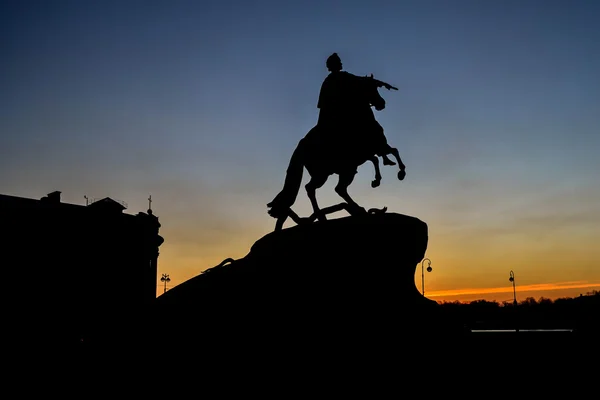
(200, 104)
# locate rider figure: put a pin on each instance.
(335, 103)
(334, 94)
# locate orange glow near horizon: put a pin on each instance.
(525, 288)
(471, 259)
(547, 290)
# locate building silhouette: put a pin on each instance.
(75, 272)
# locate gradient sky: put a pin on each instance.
(201, 103)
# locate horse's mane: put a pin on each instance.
(366, 87)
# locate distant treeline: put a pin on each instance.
(582, 312)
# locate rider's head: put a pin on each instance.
(334, 63)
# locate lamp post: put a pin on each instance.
(512, 279)
(423, 274)
(165, 278)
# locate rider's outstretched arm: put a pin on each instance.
(385, 85)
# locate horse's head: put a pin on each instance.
(372, 93)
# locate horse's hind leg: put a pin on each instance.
(375, 183)
(311, 190)
(345, 179)
(280, 222)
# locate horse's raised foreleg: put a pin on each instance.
(394, 151)
(311, 190)
(386, 160)
(345, 179)
(396, 155)
(377, 180)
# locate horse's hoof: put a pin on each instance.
(388, 162)
(401, 174)
(375, 184)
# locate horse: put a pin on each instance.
(322, 157)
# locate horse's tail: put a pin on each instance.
(281, 204)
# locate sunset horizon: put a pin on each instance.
(201, 106)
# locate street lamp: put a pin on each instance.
(423, 274)
(165, 278)
(512, 279)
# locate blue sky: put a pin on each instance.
(201, 103)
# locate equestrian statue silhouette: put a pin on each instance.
(346, 136)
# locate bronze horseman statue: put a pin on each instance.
(346, 136)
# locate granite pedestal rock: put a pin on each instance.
(349, 279)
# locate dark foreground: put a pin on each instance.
(336, 299)
(360, 363)
(566, 345)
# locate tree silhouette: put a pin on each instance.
(563, 313)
